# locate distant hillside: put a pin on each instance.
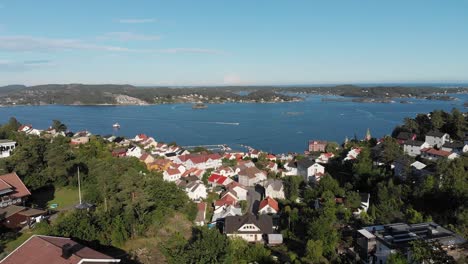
(111, 94)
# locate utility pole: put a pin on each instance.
(79, 184)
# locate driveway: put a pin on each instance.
(253, 200)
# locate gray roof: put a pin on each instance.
(6, 141)
(399, 235)
(277, 185)
(435, 133)
(263, 222)
(414, 143)
(454, 145)
(405, 135)
(305, 163)
(10, 210)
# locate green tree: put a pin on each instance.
(314, 252)
(206, 246)
(437, 119)
(397, 258)
(332, 147)
(429, 252)
(59, 126)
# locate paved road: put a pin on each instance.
(253, 200)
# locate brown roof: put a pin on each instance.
(19, 189)
(48, 250)
(250, 172)
(436, 152)
(10, 210)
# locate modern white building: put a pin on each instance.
(6, 147)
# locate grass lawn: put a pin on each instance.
(10, 246)
(65, 197)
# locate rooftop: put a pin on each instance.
(54, 250)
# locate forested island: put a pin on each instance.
(111, 94)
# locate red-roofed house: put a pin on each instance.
(119, 153)
(324, 157)
(55, 250)
(172, 174)
(216, 179)
(434, 154)
(268, 206)
(12, 190)
(271, 157)
(227, 198)
(200, 161)
(140, 137)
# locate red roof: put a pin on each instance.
(142, 136)
(199, 158)
(216, 178)
(226, 200)
(12, 179)
(172, 171)
(269, 201)
(48, 250)
(436, 152)
(201, 206)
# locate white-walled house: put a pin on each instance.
(172, 174)
(196, 191)
(274, 189)
(239, 190)
(6, 147)
(434, 154)
(437, 139)
(413, 148)
(200, 161)
(458, 147)
(268, 206)
(249, 227)
(310, 170)
(134, 151)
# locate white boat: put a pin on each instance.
(116, 125)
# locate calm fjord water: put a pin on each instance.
(283, 127)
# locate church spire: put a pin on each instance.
(368, 135)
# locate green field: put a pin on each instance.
(65, 198)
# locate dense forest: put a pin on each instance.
(80, 94)
(151, 220)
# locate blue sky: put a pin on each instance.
(200, 42)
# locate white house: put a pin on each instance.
(225, 171)
(365, 202)
(437, 139)
(196, 191)
(268, 206)
(249, 227)
(413, 148)
(352, 154)
(172, 174)
(251, 176)
(225, 211)
(239, 190)
(6, 147)
(458, 147)
(200, 161)
(291, 168)
(310, 170)
(274, 189)
(134, 151)
(434, 154)
(324, 157)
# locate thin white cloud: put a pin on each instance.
(129, 36)
(39, 44)
(20, 66)
(191, 50)
(30, 43)
(137, 20)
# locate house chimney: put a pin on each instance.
(67, 251)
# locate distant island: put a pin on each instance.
(111, 94)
